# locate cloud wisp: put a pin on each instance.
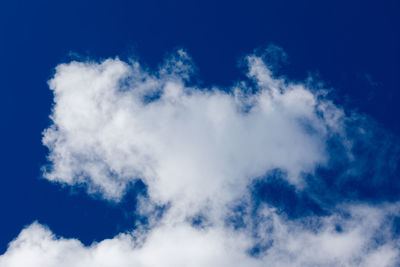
(201, 152)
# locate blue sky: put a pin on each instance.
(342, 54)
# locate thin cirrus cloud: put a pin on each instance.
(201, 152)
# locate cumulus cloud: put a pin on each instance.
(113, 123)
(199, 151)
(294, 243)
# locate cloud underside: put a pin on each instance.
(199, 151)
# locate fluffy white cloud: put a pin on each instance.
(291, 244)
(191, 146)
(198, 150)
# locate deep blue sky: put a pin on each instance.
(353, 46)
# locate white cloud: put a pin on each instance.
(191, 146)
(293, 244)
(197, 150)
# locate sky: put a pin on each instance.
(200, 133)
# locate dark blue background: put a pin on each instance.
(351, 45)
